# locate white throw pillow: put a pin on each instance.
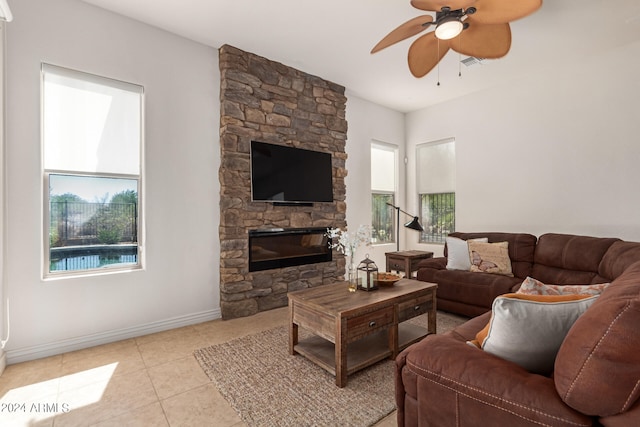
(529, 329)
(458, 253)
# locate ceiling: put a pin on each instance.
(332, 39)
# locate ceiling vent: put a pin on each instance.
(472, 60)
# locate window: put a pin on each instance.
(383, 187)
(92, 144)
(436, 170)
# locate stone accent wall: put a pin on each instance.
(267, 101)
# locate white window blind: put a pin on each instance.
(91, 124)
(436, 167)
(383, 168)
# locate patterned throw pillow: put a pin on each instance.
(529, 329)
(490, 258)
(531, 286)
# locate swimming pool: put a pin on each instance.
(92, 257)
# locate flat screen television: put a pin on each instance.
(284, 174)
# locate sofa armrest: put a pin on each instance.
(442, 379)
(439, 263)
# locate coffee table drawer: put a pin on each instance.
(360, 326)
(414, 307)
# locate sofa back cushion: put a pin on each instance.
(569, 259)
(597, 369)
(619, 256)
(521, 248)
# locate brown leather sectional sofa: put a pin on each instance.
(552, 258)
(443, 381)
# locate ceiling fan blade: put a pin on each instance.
(437, 5)
(483, 40)
(425, 53)
(404, 31)
(501, 11)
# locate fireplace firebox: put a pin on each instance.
(286, 247)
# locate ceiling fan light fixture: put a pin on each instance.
(449, 28)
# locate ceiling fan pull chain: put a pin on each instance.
(438, 63)
(460, 56)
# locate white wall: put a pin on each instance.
(556, 151)
(180, 284)
(3, 356)
(370, 122)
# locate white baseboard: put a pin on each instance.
(44, 350)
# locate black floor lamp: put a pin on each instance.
(414, 224)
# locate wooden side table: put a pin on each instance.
(406, 261)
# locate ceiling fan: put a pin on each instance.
(478, 28)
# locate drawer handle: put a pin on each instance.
(416, 308)
(372, 324)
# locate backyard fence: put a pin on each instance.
(383, 219)
(437, 212)
(82, 223)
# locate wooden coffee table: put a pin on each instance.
(353, 330)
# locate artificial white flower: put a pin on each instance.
(348, 241)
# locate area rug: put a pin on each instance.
(268, 387)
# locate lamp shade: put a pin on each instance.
(414, 224)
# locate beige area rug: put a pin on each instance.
(268, 387)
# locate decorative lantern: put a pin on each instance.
(367, 275)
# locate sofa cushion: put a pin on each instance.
(490, 258)
(521, 248)
(569, 259)
(529, 329)
(619, 256)
(531, 286)
(598, 365)
(456, 285)
(458, 253)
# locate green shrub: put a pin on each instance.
(109, 236)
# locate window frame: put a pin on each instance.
(425, 237)
(47, 274)
(394, 193)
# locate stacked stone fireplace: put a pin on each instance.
(267, 101)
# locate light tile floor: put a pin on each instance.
(152, 380)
